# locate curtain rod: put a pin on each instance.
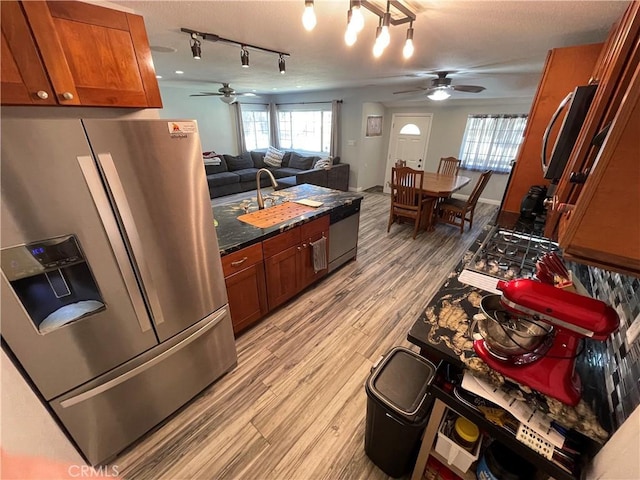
(306, 103)
(291, 103)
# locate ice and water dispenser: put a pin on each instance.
(53, 281)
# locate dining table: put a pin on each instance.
(438, 186)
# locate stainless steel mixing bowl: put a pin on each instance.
(506, 334)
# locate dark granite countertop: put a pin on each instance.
(234, 234)
(442, 332)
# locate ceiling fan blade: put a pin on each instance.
(415, 90)
(205, 94)
(468, 88)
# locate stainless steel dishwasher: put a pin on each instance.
(343, 234)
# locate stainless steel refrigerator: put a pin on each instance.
(113, 296)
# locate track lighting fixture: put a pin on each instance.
(401, 15)
(309, 16)
(196, 49)
(244, 57)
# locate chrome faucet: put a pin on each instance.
(259, 193)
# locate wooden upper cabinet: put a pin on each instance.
(94, 56)
(565, 69)
(24, 80)
(604, 227)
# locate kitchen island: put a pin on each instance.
(234, 234)
(442, 334)
(271, 255)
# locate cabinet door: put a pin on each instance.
(311, 232)
(247, 294)
(604, 227)
(282, 272)
(24, 81)
(565, 68)
(246, 287)
(95, 56)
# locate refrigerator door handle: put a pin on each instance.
(94, 183)
(214, 320)
(131, 233)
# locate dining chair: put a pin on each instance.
(456, 212)
(449, 166)
(407, 200)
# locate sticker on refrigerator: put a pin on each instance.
(182, 127)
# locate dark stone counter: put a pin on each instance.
(234, 234)
(441, 331)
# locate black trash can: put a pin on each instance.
(398, 407)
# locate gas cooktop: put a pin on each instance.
(508, 254)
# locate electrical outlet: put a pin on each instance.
(633, 331)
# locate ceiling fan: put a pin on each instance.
(226, 94)
(441, 88)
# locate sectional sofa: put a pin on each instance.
(227, 174)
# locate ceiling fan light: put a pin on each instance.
(309, 16)
(439, 95)
(228, 99)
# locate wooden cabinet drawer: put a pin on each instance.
(236, 261)
(315, 228)
(281, 242)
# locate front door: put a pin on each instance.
(408, 141)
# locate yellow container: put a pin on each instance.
(466, 433)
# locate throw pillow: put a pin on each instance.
(240, 162)
(273, 157)
(323, 163)
(258, 159)
(302, 163)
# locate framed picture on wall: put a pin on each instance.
(374, 126)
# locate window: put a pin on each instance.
(410, 129)
(305, 129)
(491, 142)
(255, 123)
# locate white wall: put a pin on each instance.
(366, 156)
(619, 459)
(447, 130)
(215, 118)
(27, 427)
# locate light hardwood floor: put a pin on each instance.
(294, 407)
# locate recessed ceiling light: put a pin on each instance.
(274, 88)
(179, 72)
(298, 86)
(158, 76)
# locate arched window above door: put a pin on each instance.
(410, 129)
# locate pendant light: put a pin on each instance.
(356, 20)
(281, 65)
(350, 35)
(407, 51)
(244, 57)
(309, 16)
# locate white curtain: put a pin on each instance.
(237, 111)
(336, 128)
(274, 129)
(491, 141)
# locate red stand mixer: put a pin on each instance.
(549, 367)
